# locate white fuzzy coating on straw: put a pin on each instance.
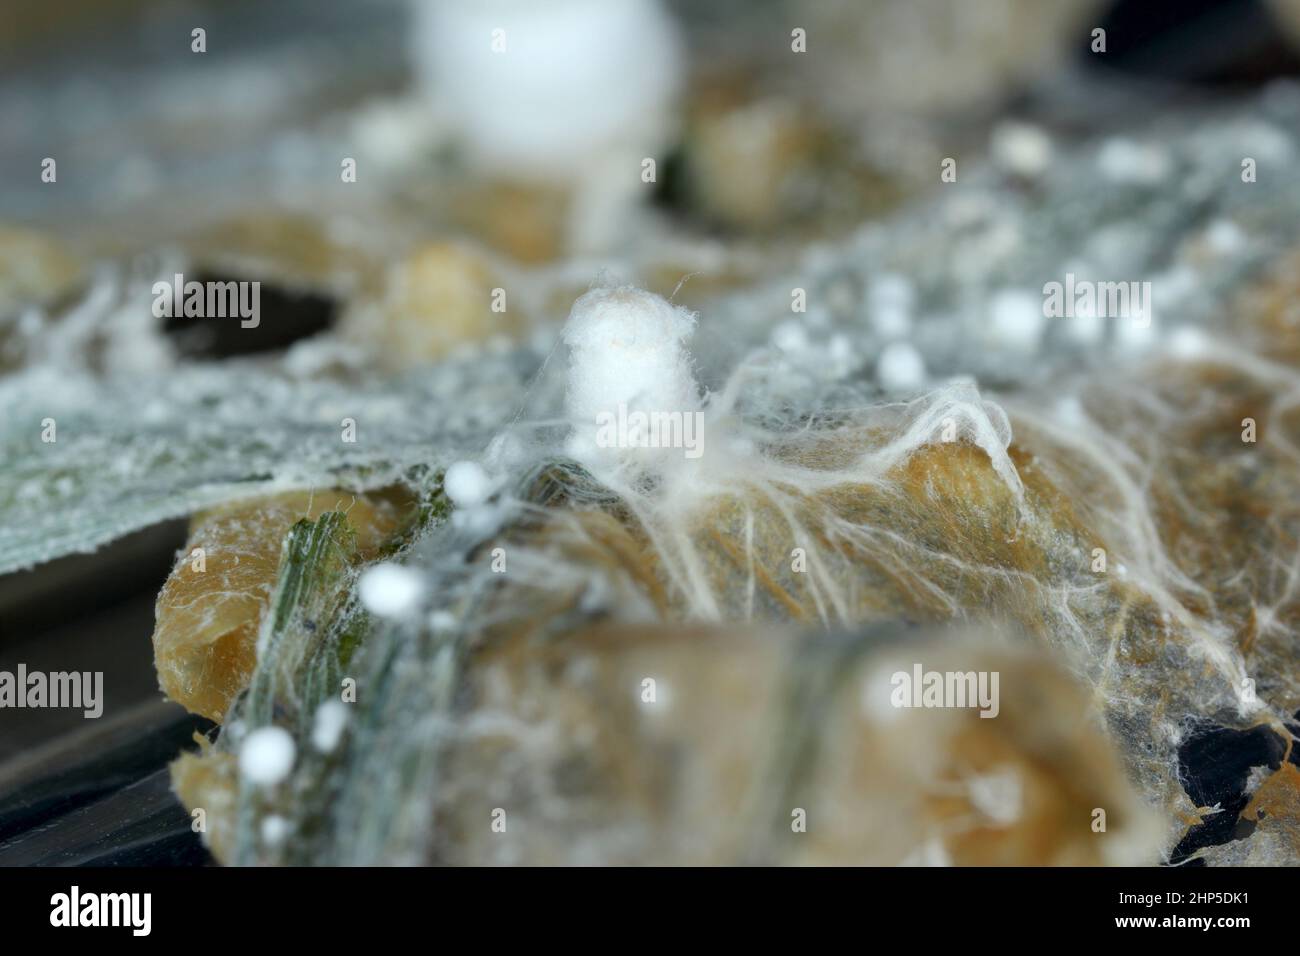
(627, 346)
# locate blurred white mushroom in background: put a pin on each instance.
(578, 90)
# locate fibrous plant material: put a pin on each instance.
(211, 609)
(929, 510)
(1068, 501)
(622, 745)
(847, 525)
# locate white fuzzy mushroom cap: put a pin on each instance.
(565, 78)
(626, 348)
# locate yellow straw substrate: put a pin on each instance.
(209, 611)
(209, 782)
(711, 746)
(443, 296)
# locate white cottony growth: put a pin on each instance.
(626, 354)
(1225, 237)
(1189, 343)
(901, 367)
(1016, 319)
(1021, 148)
(275, 830)
(790, 336)
(541, 87)
(890, 300)
(959, 410)
(266, 756)
(1126, 161)
(467, 484)
(390, 590)
(327, 728)
(998, 795)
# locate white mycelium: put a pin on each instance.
(627, 355)
(328, 726)
(266, 756)
(390, 590)
(467, 484)
(627, 359)
(542, 86)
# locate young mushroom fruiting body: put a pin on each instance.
(628, 368)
